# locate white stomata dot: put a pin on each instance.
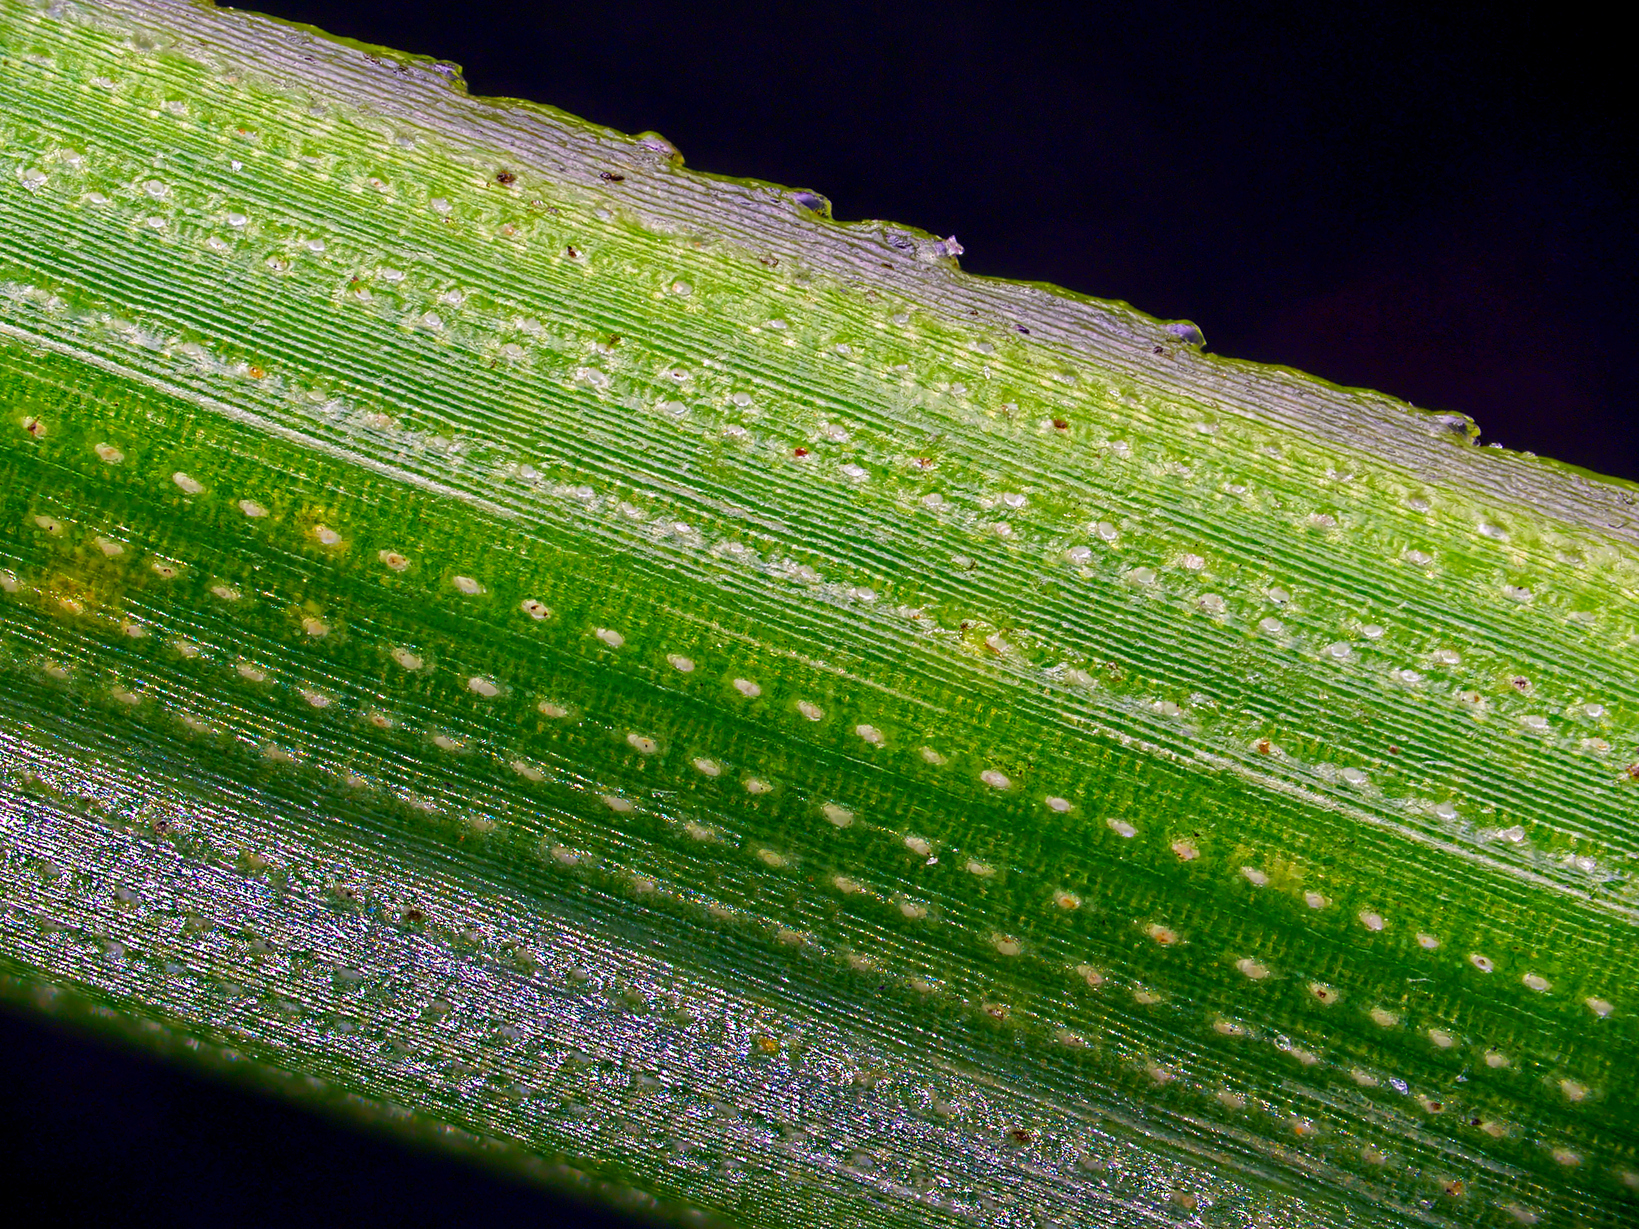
(1370, 920)
(466, 585)
(394, 560)
(315, 627)
(1078, 555)
(839, 815)
(609, 637)
(747, 688)
(326, 535)
(226, 593)
(994, 779)
(683, 665)
(527, 771)
(534, 609)
(1537, 982)
(1496, 1059)
(1427, 941)
(554, 711)
(253, 673)
(1185, 850)
(407, 659)
(1372, 631)
(1061, 805)
(1354, 776)
(1121, 827)
(847, 886)
(1066, 900)
(1255, 877)
(813, 712)
(918, 846)
(617, 804)
(108, 454)
(1441, 1038)
(1482, 963)
(1090, 975)
(1384, 1018)
(1166, 936)
(770, 858)
(1007, 945)
(189, 486)
(1599, 1007)
(756, 785)
(445, 743)
(252, 509)
(975, 867)
(1213, 604)
(870, 734)
(1446, 811)
(1566, 1157)
(1271, 626)
(1314, 900)
(1572, 1090)
(1339, 650)
(1106, 531)
(931, 756)
(481, 686)
(642, 744)
(1252, 968)
(710, 768)
(912, 910)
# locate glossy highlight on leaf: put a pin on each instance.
(612, 669)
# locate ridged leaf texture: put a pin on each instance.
(610, 668)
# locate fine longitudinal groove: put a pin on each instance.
(610, 667)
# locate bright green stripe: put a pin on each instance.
(1171, 886)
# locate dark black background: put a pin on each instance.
(1434, 202)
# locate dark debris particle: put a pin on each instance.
(611, 177)
(505, 178)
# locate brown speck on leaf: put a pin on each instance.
(571, 253)
(767, 1045)
(1264, 747)
(1521, 683)
(1633, 771)
(770, 261)
(611, 177)
(613, 339)
(505, 178)
(256, 373)
(1060, 424)
(1020, 1136)
(800, 452)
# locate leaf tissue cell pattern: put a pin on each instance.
(713, 706)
